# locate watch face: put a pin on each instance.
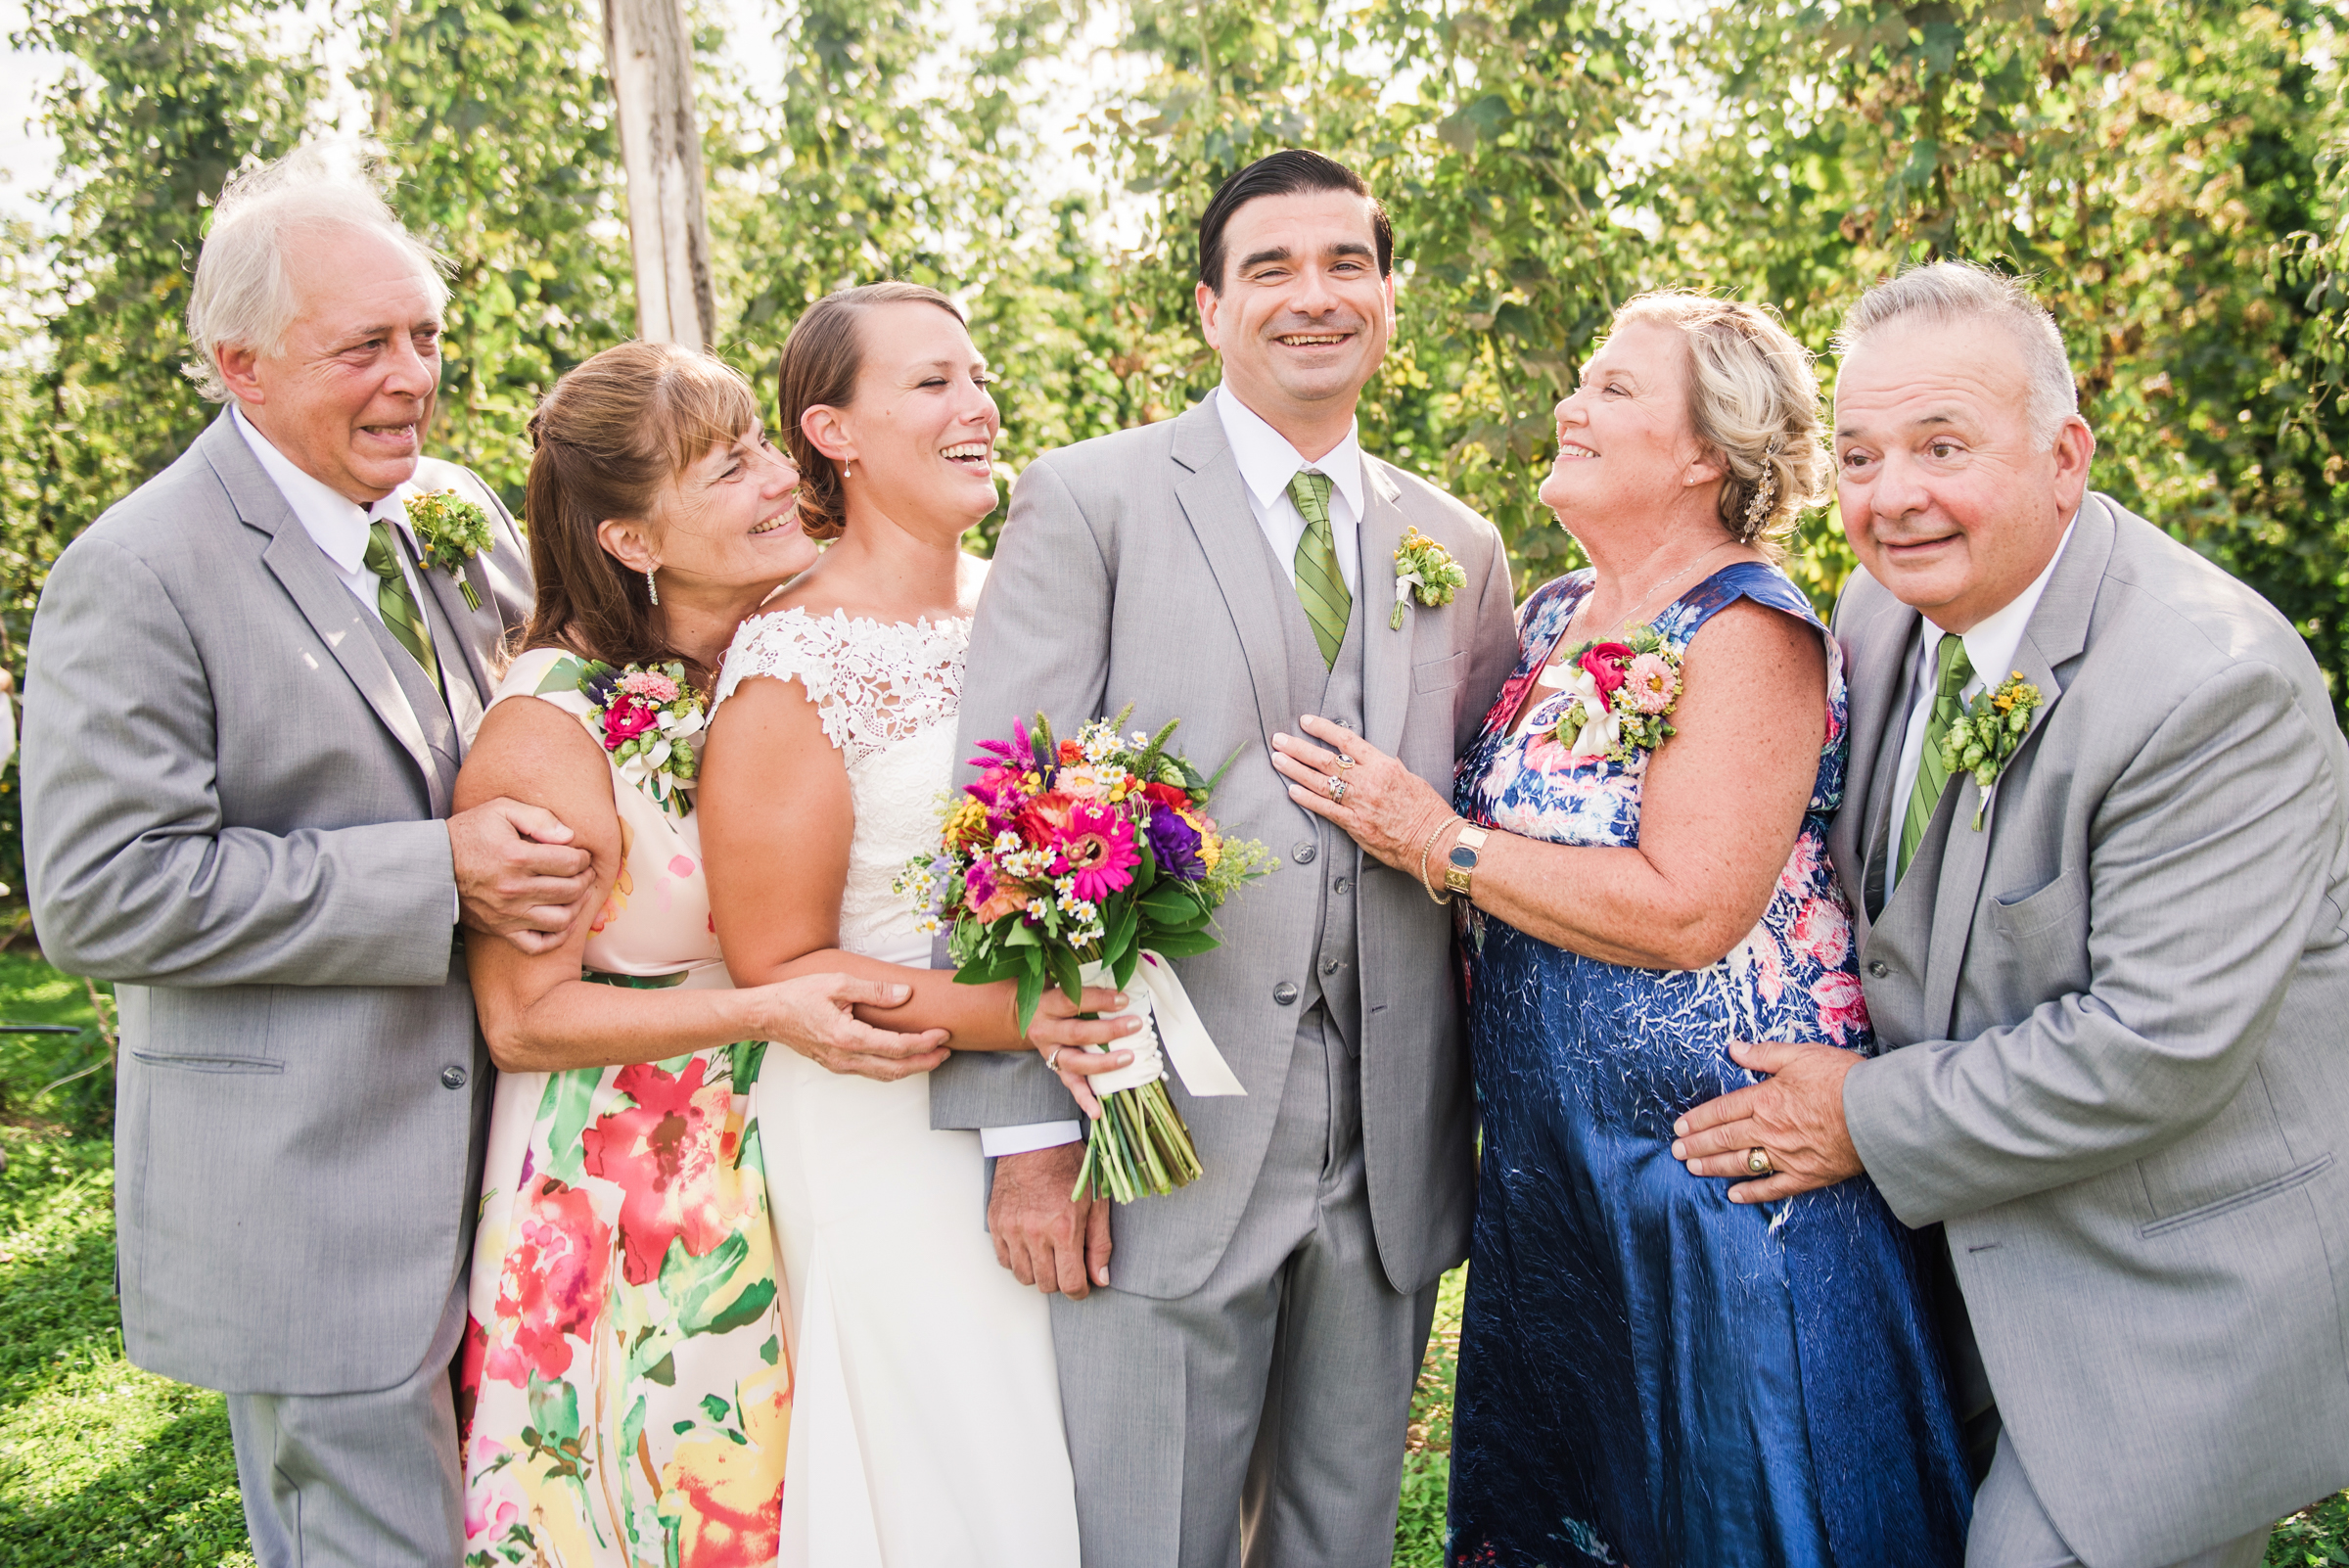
(1463, 857)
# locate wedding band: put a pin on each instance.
(1055, 1057)
(1336, 788)
(1757, 1163)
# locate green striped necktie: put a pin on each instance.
(1951, 672)
(1320, 586)
(401, 615)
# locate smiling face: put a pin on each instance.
(1625, 444)
(727, 522)
(348, 395)
(919, 434)
(1303, 317)
(1948, 498)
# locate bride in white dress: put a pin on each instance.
(926, 1428)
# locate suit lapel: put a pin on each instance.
(1214, 502)
(1874, 679)
(2055, 635)
(301, 567)
(480, 632)
(1387, 657)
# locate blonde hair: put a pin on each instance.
(1753, 402)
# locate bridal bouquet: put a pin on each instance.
(1093, 862)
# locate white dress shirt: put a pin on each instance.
(1267, 462)
(337, 524)
(1989, 648)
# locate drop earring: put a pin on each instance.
(652, 590)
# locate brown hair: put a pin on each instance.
(608, 437)
(821, 361)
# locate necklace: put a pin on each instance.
(1633, 619)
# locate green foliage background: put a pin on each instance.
(2172, 172)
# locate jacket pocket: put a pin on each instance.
(2027, 916)
(1440, 675)
(2237, 1200)
(210, 1063)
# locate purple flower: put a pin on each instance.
(1175, 843)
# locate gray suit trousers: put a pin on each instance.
(2011, 1529)
(368, 1480)
(1285, 1381)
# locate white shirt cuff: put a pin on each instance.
(997, 1142)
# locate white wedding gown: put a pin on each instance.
(925, 1425)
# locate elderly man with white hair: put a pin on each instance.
(249, 686)
(2097, 841)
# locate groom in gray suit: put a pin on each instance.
(1242, 1394)
(2118, 977)
(247, 698)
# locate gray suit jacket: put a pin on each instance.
(230, 810)
(1131, 570)
(2124, 1085)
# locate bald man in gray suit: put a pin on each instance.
(2112, 986)
(247, 696)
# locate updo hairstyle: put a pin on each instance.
(611, 435)
(821, 360)
(1753, 402)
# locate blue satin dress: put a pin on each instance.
(1649, 1375)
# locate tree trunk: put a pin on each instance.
(650, 59)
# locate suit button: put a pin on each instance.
(452, 1078)
(1330, 967)
(1284, 993)
(1341, 884)
(1302, 854)
(1878, 970)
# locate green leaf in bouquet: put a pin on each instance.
(1022, 935)
(1123, 923)
(1184, 943)
(1167, 903)
(1067, 972)
(1122, 964)
(1031, 991)
(988, 970)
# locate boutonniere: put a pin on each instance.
(1981, 739)
(1623, 694)
(1421, 563)
(452, 530)
(649, 717)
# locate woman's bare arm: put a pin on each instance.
(538, 1015)
(1720, 808)
(776, 821)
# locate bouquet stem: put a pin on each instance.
(1139, 1145)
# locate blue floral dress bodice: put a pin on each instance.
(1650, 1374)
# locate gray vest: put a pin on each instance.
(1335, 693)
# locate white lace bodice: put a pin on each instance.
(889, 696)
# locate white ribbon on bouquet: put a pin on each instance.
(1157, 998)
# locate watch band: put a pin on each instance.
(1460, 866)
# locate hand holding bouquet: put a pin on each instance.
(1093, 861)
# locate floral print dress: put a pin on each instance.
(1649, 1373)
(626, 1387)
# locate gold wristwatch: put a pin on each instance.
(1460, 866)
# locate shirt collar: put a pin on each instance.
(1991, 644)
(338, 524)
(1267, 462)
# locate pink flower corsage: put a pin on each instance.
(1622, 696)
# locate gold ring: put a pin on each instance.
(1344, 761)
(1336, 788)
(1757, 1163)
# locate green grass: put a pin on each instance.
(102, 1463)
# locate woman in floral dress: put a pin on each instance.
(626, 1387)
(1652, 1373)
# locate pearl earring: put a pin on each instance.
(652, 590)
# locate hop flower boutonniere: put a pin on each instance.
(1624, 695)
(1981, 740)
(452, 531)
(1421, 563)
(649, 718)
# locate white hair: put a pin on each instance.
(244, 293)
(1949, 293)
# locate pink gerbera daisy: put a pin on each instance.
(1096, 847)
